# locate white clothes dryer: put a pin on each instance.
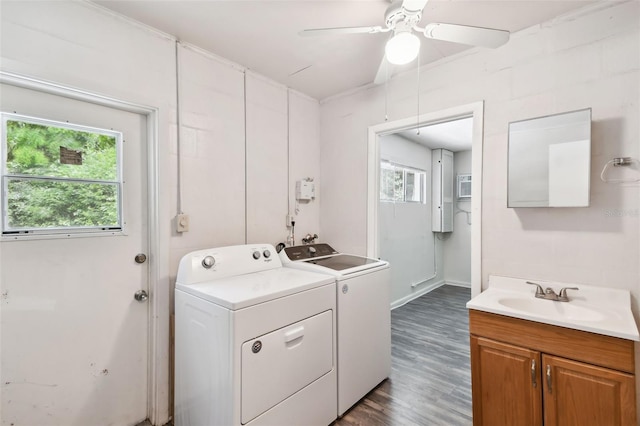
(254, 342)
(363, 296)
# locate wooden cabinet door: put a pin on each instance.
(506, 384)
(581, 394)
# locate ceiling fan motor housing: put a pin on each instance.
(398, 18)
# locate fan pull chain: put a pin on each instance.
(418, 112)
(386, 92)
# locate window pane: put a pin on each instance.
(386, 183)
(45, 150)
(398, 186)
(410, 186)
(414, 186)
(40, 204)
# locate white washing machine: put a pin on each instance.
(364, 315)
(254, 342)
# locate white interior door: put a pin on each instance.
(73, 340)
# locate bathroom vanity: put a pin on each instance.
(572, 364)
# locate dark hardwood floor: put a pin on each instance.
(430, 382)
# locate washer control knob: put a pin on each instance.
(256, 255)
(208, 262)
(266, 254)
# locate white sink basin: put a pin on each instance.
(595, 309)
(552, 309)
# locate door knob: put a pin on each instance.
(140, 258)
(141, 296)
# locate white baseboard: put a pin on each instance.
(426, 289)
(458, 283)
(423, 290)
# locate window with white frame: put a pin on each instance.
(391, 183)
(59, 177)
(400, 184)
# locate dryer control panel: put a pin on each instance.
(220, 262)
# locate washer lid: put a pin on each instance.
(340, 262)
(339, 265)
(250, 289)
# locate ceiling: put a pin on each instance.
(455, 135)
(262, 35)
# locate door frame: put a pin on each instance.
(158, 273)
(475, 110)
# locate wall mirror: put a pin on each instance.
(550, 161)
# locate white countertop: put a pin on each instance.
(599, 310)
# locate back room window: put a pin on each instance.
(59, 177)
(400, 184)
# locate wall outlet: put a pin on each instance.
(182, 223)
(290, 219)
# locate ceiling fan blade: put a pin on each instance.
(341, 30)
(384, 71)
(474, 36)
(414, 5)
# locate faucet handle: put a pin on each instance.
(563, 293)
(539, 290)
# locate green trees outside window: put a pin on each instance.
(399, 184)
(391, 184)
(59, 176)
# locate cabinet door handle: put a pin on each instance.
(533, 373)
(549, 378)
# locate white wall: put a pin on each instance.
(304, 162)
(405, 236)
(457, 246)
(266, 160)
(212, 147)
(225, 199)
(588, 59)
(236, 185)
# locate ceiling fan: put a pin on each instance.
(402, 18)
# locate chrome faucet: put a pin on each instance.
(549, 294)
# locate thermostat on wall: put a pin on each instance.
(464, 187)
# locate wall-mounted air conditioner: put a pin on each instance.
(464, 187)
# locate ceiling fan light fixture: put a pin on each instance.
(402, 48)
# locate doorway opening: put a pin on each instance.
(424, 223)
(400, 206)
(432, 328)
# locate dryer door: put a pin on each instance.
(278, 364)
